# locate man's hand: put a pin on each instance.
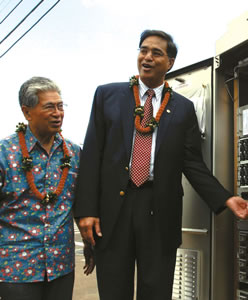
(87, 227)
(89, 258)
(239, 206)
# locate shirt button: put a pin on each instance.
(122, 193)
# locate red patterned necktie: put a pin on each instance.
(140, 168)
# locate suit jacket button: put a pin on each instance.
(126, 168)
(122, 193)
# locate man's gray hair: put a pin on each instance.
(28, 94)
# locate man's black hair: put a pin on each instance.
(171, 46)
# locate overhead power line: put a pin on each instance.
(10, 12)
(31, 11)
(30, 28)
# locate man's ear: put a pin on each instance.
(171, 63)
(26, 112)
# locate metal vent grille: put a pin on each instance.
(242, 295)
(186, 278)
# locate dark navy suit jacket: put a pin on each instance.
(106, 155)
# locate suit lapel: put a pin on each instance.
(127, 118)
(165, 121)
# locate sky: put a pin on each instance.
(81, 44)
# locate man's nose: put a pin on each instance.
(148, 55)
(57, 111)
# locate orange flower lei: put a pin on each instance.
(27, 166)
(139, 110)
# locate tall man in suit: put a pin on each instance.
(129, 195)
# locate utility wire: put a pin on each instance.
(30, 28)
(11, 12)
(31, 11)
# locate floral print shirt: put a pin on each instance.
(35, 239)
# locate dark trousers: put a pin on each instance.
(135, 240)
(57, 289)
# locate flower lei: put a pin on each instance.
(139, 110)
(27, 165)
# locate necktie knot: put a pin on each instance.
(150, 92)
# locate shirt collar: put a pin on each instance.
(31, 140)
(143, 89)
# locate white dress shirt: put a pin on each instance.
(156, 102)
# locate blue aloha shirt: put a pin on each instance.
(35, 239)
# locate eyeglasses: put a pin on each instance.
(53, 107)
(154, 52)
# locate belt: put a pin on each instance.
(144, 185)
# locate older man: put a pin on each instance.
(38, 169)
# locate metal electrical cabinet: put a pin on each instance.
(212, 262)
(198, 252)
(231, 87)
